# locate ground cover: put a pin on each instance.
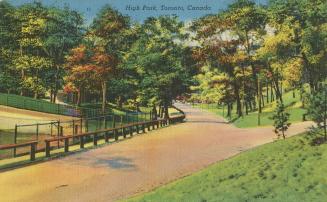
(285, 170)
(293, 106)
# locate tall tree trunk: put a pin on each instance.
(104, 96)
(22, 72)
(51, 95)
(238, 101)
(166, 112)
(277, 90)
(259, 96)
(259, 102)
(79, 97)
(246, 107)
(250, 105)
(55, 93)
(267, 92)
(229, 110)
(162, 111)
(272, 97)
(325, 115)
(159, 111)
(120, 101)
(23, 78)
(154, 113)
(262, 100)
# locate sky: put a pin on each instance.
(139, 10)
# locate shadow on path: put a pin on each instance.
(116, 162)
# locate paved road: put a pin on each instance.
(137, 165)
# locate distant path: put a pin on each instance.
(137, 165)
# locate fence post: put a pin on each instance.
(73, 127)
(81, 142)
(131, 131)
(106, 136)
(37, 131)
(95, 139)
(116, 134)
(121, 123)
(124, 132)
(66, 144)
(61, 131)
(58, 132)
(81, 122)
(51, 127)
(47, 149)
(15, 139)
(137, 128)
(149, 126)
(33, 149)
(143, 127)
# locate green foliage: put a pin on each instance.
(281, 119)
(317, 110)
(156, 60)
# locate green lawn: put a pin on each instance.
(285, 170)
(251, 120)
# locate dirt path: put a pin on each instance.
(137, 165)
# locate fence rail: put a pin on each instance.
(93, 136)
(21, 133)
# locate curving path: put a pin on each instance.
(137, 165)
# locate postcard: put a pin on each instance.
(163, 101)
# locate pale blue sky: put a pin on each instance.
(89, 8)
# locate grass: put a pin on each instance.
(285, 170)
(293, 106)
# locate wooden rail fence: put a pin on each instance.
(123, 130)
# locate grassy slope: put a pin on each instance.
(290, 170)
(293, 107)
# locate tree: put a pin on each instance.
(281, 119)
(9, 27)
(306, 21)
(63, 32)
(81, 73)
(30, 60)
(109, 30)
(156, 58)
(317, 109)
(105, 67)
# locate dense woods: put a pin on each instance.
(245, 56)
(250, 54)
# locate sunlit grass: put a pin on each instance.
(251, 120)
(285, 170)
